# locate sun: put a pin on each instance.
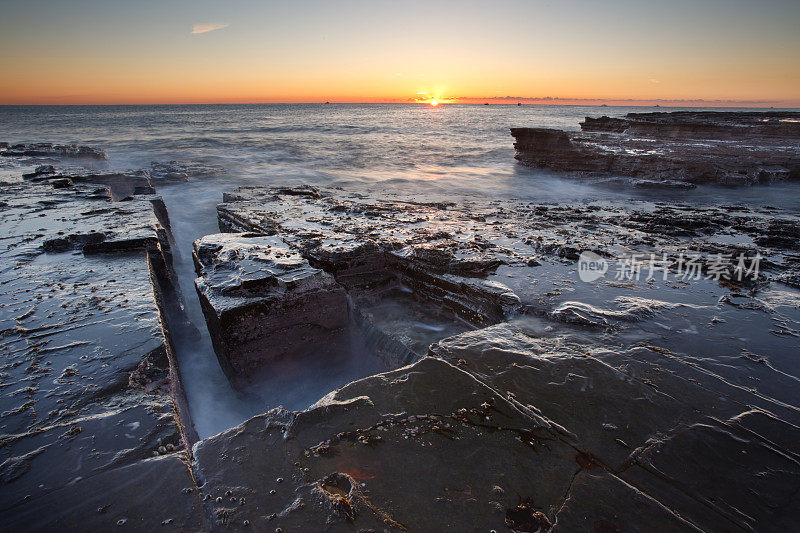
(433, 101)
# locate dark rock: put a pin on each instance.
(262, 300)
(663, 148)
(63, 183)
(664, 184)
(121, 186)
(40, 170)
(76, 241)
(581, 411)
(438, 278)
(121, 494)
(602, 503)
(604, 123)
(701, 124)
(606, 425)
(181, 171)
(300, 190)
(52, 150)
(523, 518)
(84, 350)
(450, 426)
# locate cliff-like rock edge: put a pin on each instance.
(676, 149)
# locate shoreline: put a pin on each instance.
(495, 352)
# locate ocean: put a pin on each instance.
(413, 148)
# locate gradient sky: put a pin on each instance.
(114, 51)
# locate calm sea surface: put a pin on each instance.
(413, 148)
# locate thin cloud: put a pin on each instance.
(654, 80)
(209, 26)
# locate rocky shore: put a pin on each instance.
(51, 150)
(517, 397)
(672, 149)
(91, 408)
(600, 429)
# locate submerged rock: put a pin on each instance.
(51, 150)
(181, 171)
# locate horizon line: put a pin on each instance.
(574, 102)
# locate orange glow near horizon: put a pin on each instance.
(436, 101)
(204, 52)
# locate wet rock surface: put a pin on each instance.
(521, 398)
(87, 417)
(599, 394)
(404, 460)
(729, 148)
(702, 124)
(51, 150)
(182, 171)
(262, 300)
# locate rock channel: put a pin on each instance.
(505, 425)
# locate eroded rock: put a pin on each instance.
(51, 150)
(702, 124)
(583, 413)
(88, 389)
(262, 300)
(426, 452)
(663, 149)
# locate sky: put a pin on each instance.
(701, 52)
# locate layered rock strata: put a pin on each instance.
(525, 399)
(93, 425)
(722, 148)
(262, 300)
(50, 150)
(555, 420)
(702, 124)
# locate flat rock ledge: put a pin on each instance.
(509, 425)
(93, 426)
(727, 148)
(519, 399)
(500, 430)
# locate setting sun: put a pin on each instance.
(434, 102)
